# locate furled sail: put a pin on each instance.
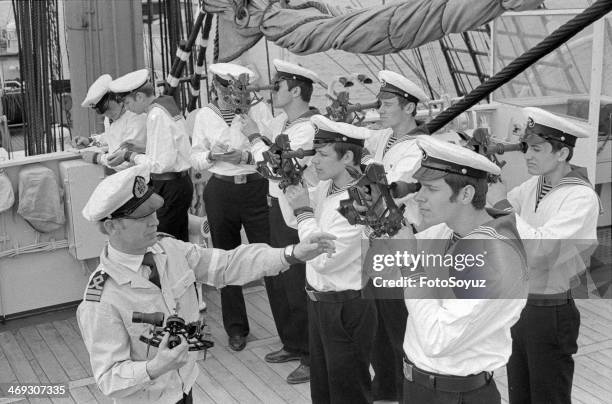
(305, 27)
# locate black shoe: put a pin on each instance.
(282, 356)
(237, 342)
(299, 375)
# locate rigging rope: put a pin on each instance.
(40, 66)
(520, 64)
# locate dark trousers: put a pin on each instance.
(341, 337)
(388, 350)
(173, 216)
(228, 208)
(286, 291)
(541, 367)
(415, 393)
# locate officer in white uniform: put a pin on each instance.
(286, 291)
(456, 337)
(341, 324)
(122, 128)
(557, 212)
(235, 195)
(395, 148)
(142, 270)
(167, 149)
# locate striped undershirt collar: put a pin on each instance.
(225, 114)
(334, 189)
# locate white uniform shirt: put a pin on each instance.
(567, 213)
(342, 271)
(459, 337)
(168, 145)
(301, 135)
(401, 161)
(129, 127)
(210, 129)
(118, 358)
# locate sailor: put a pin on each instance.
(341, 324)
(123, 129)
(456, 337)
(167, 149)
(235, 195)
(395, 148)
(557, 212)
(144, 271)
(286, 291)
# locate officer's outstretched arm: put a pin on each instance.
(250, 262)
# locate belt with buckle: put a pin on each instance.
(169, 176)
(239, 179)
(549, 300)
(332, 297)
(449, 384)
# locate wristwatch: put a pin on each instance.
(290, 257)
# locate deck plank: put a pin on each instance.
(199, 395)
(216, 392)
(58, 347)
(249, 379)
(17, 359)
(229, 381)
(271, 378)
(82, 395)
(49, 364)
(40, 374)
(75, 344)
(6, 373)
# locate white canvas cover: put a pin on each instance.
(41, 199)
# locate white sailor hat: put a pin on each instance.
(97, 91)
(396, 84)
(123, 194)
(441, 158)
(543, 126)
(229, 71)
(328, 131)
(292, 71)
(129, 82)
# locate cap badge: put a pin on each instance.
(530, 122)
(383, 83)
(140, 187)
(316, 128)
(424, 155)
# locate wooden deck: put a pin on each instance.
(53, 352)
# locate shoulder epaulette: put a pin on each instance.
(96, 285)
(161, 234)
